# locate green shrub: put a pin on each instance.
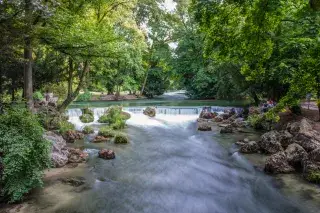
(86, 96)
(25, 153)
(86, 118)
(104, 119)
(87, 130)
(314, 177)
(121, 138)
(65, 126)
(87, 111)
(107, 132)
(115, 117)
(38, 96)
(118, 124)
(255, 121)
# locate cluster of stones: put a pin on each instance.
(61, 154)
(229, 121)
(293, 149)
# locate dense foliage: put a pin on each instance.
(24, 153)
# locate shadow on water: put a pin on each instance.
(170, 167)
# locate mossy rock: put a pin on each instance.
(121, 138)
(118, 124)
(104, 119)
(86, 118)
(314, 177)
(106, 132)
(65, 126)
(87, 111)
(87, 130)
(125, 115)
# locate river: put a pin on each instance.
(170, 167)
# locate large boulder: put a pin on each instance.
(72, 135)
(285, 138)
(107, 154)
(299, 127)
(59, 152)
(204, 126)
(150, 111)
(76, 155)
(295, 155)
(315, 155)
(308, 143)
(277, 163)
(270, 142)
(249, 147)
(226, 129)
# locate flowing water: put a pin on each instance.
(170, 167)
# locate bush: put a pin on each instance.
(106, 132)
(121, 138)
(314, 177)
(38, 96)
(24, 152)
(263, 121)
(115, 117)
(65, 126)
(87, 111)
(87, 130)
(86, 96)
(86, 118)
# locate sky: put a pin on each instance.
(170, 5)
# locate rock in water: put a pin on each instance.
(150, 111)
(295, 155)
(76, 155)
(249, 147)
(59, 153)
(204, 126)
(208, 115)
(270, 142)
(278, 163)
(227, 129)
(107, 154)
(72, 135)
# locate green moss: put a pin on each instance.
(115, 118)
(107, 132)
(88, 130)
(87, 111)
(314, 177)
(65, 126)
(121, 138)
(104, 119)
(86, 118)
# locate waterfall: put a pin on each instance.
(164, 115)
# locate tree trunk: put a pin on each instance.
(12, 91)
(70, 77)
(144, 83)
(74, 94)
(28, 86)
